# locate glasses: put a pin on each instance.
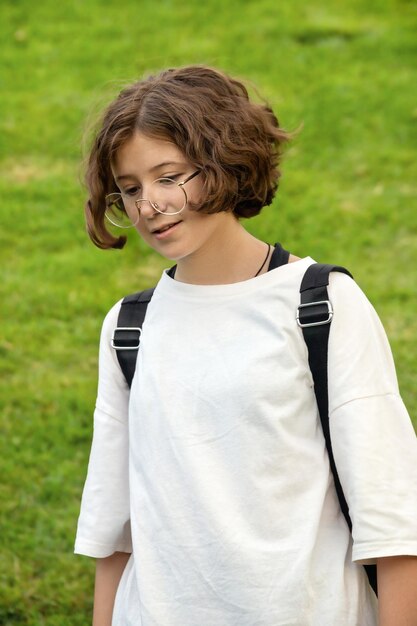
(168, 198)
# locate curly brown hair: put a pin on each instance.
(208, 115)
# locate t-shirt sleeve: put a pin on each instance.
(104, 521)
(374, 443)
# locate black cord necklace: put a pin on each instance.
(266, 258)
(172, 270)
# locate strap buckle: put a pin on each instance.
(125, 343)
(306, 317)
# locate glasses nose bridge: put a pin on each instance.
(153, 199)
(145, 206)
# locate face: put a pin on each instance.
(138, 163)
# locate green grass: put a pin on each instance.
(345, 69)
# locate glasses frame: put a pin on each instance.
(154, 205)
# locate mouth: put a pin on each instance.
(165, 229)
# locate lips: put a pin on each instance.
(164, 228)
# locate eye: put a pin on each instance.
(131, 191)
(166, 182)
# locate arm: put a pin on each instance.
(397, 591)
(108, 573)
(375, 450)
(103, 530)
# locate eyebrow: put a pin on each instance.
(153, 169)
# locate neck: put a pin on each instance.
(234, 255)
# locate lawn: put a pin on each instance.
(343, 71)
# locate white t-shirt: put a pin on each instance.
(216, 475)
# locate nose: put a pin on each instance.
(146, 208)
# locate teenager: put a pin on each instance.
(209, 499)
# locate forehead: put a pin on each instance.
(142, 154)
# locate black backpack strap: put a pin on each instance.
(314, 316)
(126, 337)
(278, 257)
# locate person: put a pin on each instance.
(208, 498)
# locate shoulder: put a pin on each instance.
(110, 320)
(348, 299)
(353, 313)
(355, 322)
(360, 357)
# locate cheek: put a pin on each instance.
(143, 232)
(195, 195)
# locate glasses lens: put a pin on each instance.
(166, 196)
(116, 212)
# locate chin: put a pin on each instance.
(172, 251)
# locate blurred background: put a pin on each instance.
(346, 70)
